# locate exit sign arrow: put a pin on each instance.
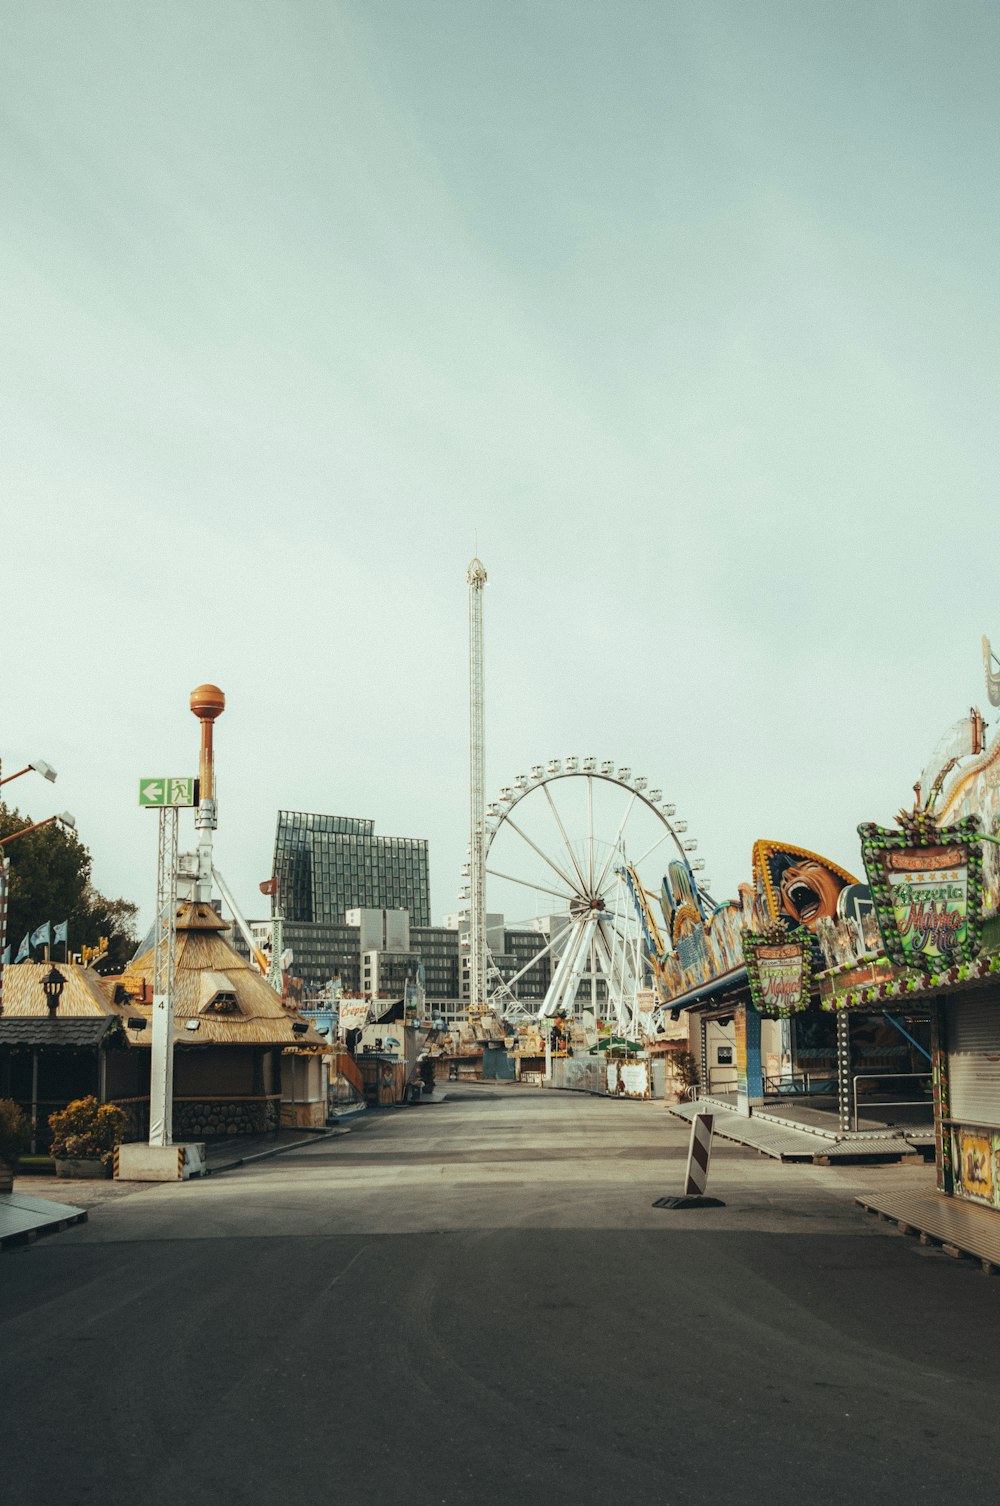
(168, 791)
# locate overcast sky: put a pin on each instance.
(686, 312)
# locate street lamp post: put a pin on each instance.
(52, 986)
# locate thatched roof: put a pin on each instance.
(86, 994)
(216, 988)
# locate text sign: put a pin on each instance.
(166, 790)
(779, 967)
(930, 900)
(925, 882)
(780, 972)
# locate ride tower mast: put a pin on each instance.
(476, 577)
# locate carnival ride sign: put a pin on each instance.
(779, 967)
(925, 883)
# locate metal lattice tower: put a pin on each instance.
(476, 577)
(161, 1084)
(274, 973)
(165, 941)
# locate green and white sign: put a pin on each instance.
(163, 790)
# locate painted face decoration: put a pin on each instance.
(809, 892)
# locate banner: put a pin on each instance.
(354, 1013)
(925, 882)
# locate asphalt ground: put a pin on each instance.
(476, 1302)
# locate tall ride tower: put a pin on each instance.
(476, 577)
(207, 703)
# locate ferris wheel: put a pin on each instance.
(563, 931)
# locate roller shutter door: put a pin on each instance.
(974, 1060)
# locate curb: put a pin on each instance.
(276, 1150)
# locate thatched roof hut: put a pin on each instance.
(219, 997)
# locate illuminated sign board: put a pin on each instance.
(925, 883)
(779, 967)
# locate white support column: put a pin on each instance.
(572, 982)
(571, 959)
(161, 1076)
(476, 577)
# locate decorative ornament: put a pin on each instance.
(779, 967)
(926, 887)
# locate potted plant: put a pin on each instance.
(84, 1136)
(15, 1136)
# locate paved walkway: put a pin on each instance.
(48, 1204)
(481, 1303)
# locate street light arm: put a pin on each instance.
(65, 818)
(40, 767)
(8, 777)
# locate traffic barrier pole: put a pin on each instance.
(699, 1155)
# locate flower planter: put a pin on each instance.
(73, 1166)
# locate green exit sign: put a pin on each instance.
(168, 791)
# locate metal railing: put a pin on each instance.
(894, 1103)
(787, 1084)
(731, 1079)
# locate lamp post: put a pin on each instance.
(52, 986)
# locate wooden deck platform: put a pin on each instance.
(960, 1228)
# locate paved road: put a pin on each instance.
(475, 1302)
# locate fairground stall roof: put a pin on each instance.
(87, 1013)
(219, 997)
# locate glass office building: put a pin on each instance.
(327, 865)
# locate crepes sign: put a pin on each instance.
(925, 883)
(779, 967)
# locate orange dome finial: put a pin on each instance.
(207, 702)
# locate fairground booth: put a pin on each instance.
(766, 1040)
(935, 883)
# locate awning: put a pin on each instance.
(724, 985)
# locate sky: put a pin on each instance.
(684, 316)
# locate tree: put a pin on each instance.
(50, 880)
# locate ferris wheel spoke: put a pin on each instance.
(562, 833)
(590, 834)
(615, 844)
(617, 982)
(613, 883)
(542, 888)
(508, 982)
(658, 843)
(544, 856)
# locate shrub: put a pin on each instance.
(87, 1130)
(15, 1131)
(684, 1067)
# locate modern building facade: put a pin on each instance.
(327, 865)
(356, 911)
(377, 951)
